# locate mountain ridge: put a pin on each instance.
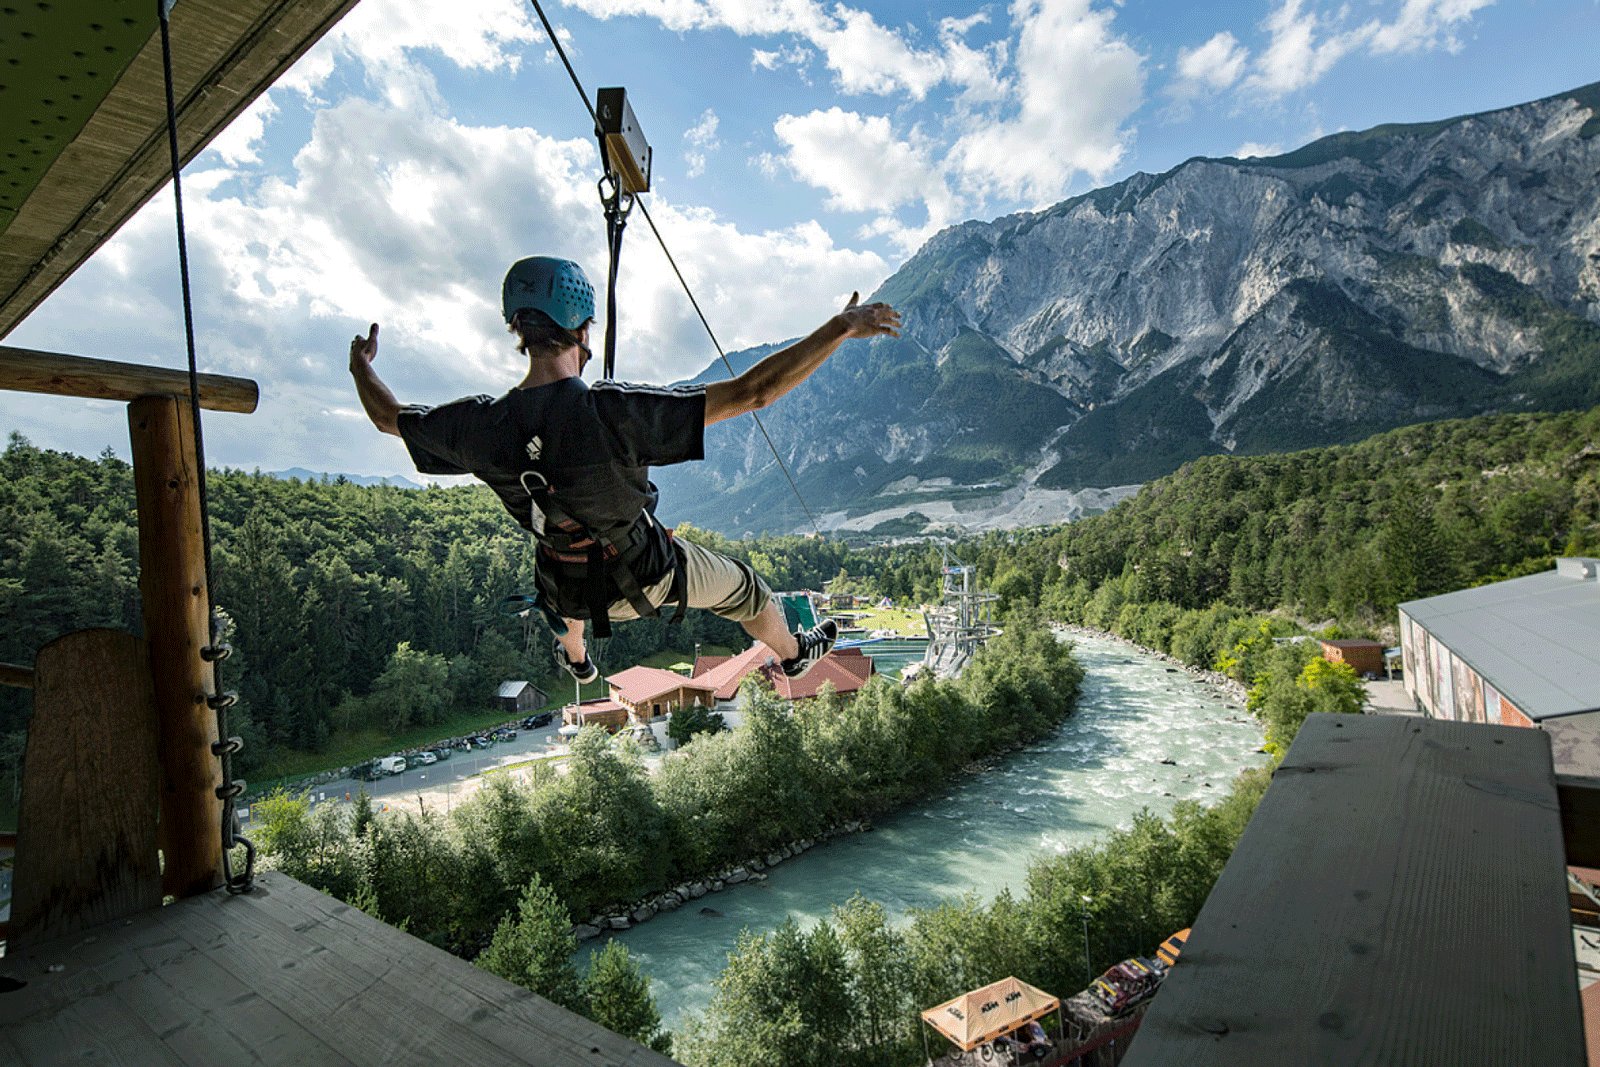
(1367, 280)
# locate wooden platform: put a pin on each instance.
(1399, 898)
(285, 975)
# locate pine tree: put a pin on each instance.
(616, 995)
(534, 947)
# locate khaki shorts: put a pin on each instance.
(714, 581)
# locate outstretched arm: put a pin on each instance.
(783, 370)
(376, 399)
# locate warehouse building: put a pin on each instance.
(1523, 652)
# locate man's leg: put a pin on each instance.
(770, 629)
(570, 645)
(572, 641)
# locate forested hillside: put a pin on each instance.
(351, 606)
(1341, 533)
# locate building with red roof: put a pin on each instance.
(641, 695)
(652, 693)
(847, 670)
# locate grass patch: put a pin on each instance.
(902, 621)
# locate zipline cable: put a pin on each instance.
(225, 746)
(662, 241)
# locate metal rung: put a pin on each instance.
(20, 677)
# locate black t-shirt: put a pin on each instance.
(594, 445)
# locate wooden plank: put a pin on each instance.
(1580, 818)
(1398, 898)
(87, 818)
(298, 977)
(172, 589)
(26, 370)
(18, 677)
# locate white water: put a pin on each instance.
(1093, 775)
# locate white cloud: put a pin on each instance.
(1213, 66)
(702, 138)
(1304, 44)
(238, 143)
(856, 159)
(1294, 57)
(483, 35)
(1256, 150)
(864, 55)
(1077, 83)
(794, 56)
(976, 70)
(1423, 25)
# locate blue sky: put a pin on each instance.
(802, 150)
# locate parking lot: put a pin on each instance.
(443, 784)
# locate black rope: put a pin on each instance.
(584, 96)
(214, 653)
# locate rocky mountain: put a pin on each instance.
(1365, 281)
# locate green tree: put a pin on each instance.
(693, 719)
(414, 688)
(534, 947)
(616, 994)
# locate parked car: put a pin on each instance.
(1126, 984)
(391, 764)
(423, 759)
(368, 772)
(534, 722)
(464, 746)
(481, 742)
(442, 753)
(505, 733)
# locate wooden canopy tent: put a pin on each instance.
(985, 1014)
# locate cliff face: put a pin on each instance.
(1364, 281)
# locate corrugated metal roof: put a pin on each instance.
(1535, 639)
(511, 689)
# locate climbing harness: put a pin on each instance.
(219, 701)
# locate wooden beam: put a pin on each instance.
(27, 371)
(172, 587)
(18, 677)
(1580, 818)
(87, 821)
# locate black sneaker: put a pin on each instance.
(584, 672)
(814, 644)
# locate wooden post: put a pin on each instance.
(172, 585)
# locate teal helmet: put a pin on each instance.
(557, 287)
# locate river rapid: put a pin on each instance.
(978, 836)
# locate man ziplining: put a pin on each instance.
(571, 463)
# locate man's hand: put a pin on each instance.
(788, 367)
(376, 399)
(363, 350)
(871, 320)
